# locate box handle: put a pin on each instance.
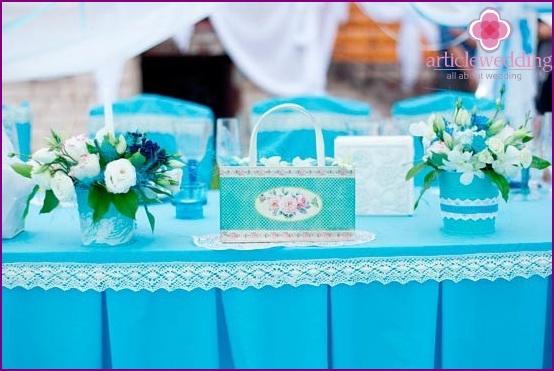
(319, 144)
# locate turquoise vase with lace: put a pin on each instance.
(467, 209)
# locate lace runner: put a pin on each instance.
(207, 275)
(212, 242)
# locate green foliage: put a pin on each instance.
(31, 195)
(501, 182)
(50, 202)
(150, 217)
(126, 203)
(539, 163)
(99, 200)
(22, 169)
(137, 159)
(428, 180)
(416, 169)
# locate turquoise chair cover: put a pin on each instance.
(440, 102)
(17, 123)
(288, 135)
(419, 108)
(160, 117)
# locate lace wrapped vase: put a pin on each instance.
(113, 229)
(468, 209)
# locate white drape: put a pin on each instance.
(285, 48)
(50, 40)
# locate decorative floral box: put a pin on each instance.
(381, 163)
(269, 204)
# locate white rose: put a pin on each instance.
(120, 176)
(62, 186)
(44, 156)
(121, 145)
(76, 146)
(174, 175)
(463, 118)
(42, 177)
(88, 167)
(525, 157)
(485, 157)
(495, 145)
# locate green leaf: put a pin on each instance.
(501, 182)
(527, 139)
(539, 163)
(127, 203)
(416, 169)
(22, 169)
(151, 219)
(99, 200)
(137, 159)
(437, 159)
(56, 138)
(428, 180)
(31, 195)
(92, 149)
(50, 202)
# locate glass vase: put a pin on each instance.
(112, 230)
(468, 209)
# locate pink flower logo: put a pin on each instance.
(489, 29)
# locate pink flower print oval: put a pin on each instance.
(489, 30)
(288, 204)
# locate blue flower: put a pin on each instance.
(480, 122)
(478, 144)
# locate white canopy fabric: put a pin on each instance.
(285, 48)
(50, 40)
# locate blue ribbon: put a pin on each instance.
(469, 209)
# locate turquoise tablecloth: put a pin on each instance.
(414, 297)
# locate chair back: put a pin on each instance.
(166, 121)
(289, 129)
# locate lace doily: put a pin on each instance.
(212, 242)
(188, 276)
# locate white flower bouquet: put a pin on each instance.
(474, 146)
(125, 171)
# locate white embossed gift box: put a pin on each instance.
(381, 163)
(283, 204)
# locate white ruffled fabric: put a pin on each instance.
(15, 190)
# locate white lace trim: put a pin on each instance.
(207, 275)
(213, 242)
(460, 202)
(478, 216)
